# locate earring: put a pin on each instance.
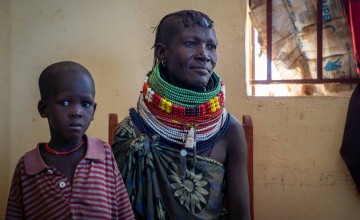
(163, 63)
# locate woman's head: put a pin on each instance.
(185, 46)
(166, 29)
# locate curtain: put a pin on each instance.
(352, 14)
(350, 148)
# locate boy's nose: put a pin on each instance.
(75, 112)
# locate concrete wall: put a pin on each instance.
(298, 171)
(5, 83)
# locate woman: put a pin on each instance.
(181, 155)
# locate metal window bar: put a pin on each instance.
(320, 79)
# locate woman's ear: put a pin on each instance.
(160, 52)
(42, 109)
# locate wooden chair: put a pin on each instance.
(248, 127)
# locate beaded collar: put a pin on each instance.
(172, 112)
(163, 97)
(202, 145)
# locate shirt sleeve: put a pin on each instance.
(15, 208)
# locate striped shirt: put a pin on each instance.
(39, 191)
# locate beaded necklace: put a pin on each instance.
(192, 121)
(162, 97)
(52, 151)
(175, 131)
(178, 95)
(201, 146)
(174, 112)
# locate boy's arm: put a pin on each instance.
(15, 208)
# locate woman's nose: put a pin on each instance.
(202, 53)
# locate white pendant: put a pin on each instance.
(183, 152)
(189, 142)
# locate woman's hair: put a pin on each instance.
(166, 29)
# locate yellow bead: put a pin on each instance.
(162, 107)
(213, 109)
(168, 110)
(216, 98)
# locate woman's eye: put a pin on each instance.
(64, 103)
(189, 43)
(212, 46)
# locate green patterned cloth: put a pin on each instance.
(153, 180)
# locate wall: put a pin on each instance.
(5, 75)
(298, 171)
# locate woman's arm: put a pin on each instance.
(236, 176)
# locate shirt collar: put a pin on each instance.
(34, 163)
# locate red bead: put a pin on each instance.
(156, 100)
(181, 110)
(202, 110)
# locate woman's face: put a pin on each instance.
(191, 57)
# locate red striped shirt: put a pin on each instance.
(39, 191)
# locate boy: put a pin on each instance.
(72, 176)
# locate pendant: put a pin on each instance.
(183, 152)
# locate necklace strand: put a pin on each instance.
(52, 151)
(201, 146)
(170, 132)
(180, 96)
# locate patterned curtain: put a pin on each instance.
(352, 14)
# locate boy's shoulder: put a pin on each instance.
(97, 149)
(96, 141)
(32, 161)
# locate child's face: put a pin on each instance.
(70, 107)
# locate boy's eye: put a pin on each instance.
(64, 102)
(87, 104)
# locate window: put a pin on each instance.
(297, 50)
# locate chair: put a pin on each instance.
(248, 128)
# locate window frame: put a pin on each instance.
(319, 80)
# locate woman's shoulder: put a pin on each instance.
(234, 124)
(235, 135)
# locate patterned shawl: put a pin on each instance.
(151, 173)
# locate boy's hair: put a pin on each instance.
(55, 71)
(166, 29)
